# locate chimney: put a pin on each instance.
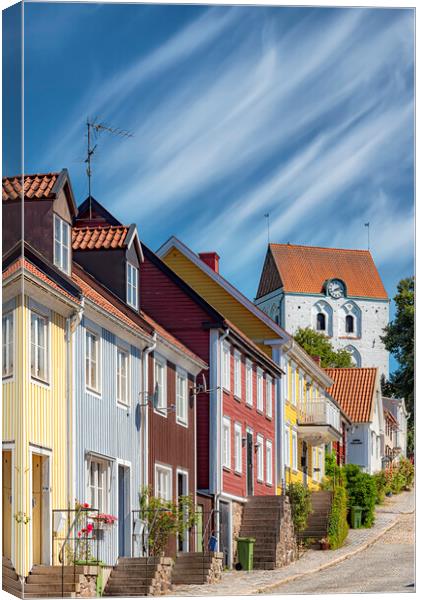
(317, 360)
(211, 259)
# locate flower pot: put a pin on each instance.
(324, 545)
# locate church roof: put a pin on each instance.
(305, 269)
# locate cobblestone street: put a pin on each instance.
(303, 576)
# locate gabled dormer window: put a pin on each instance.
(132, 286)
(61, 244)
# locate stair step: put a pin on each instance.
(9, 572)
(51, 587)
(11, 582)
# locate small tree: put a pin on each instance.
(300, 500)
(317, 344)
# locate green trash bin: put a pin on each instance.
(356, 517)
(245, 546)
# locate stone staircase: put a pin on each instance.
(195, 568)
(10, 579)
(268, 520)
(140, 577)
(46, 582)
(318, 520)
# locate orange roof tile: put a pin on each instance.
(354, 390)
(34, 186)
(96, 238)
(25, 264)
(305, 269)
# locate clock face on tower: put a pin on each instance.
(336, 289)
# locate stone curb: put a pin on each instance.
(331, 563)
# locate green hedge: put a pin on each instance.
(300, 500)
(338, 525)
(362, 491)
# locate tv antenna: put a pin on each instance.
(368, 234)
(267, 217)
(94, 130)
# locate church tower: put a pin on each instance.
(335, 291)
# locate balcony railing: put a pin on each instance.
(319, 411)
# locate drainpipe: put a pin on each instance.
(145, 411)
(218, 435)
(281, 420)
(71, 325)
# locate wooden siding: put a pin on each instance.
(105, 428)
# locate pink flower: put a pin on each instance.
(79, 533)
(89, 527)
(86, 505)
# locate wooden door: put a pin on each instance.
(250, 482)
(36, 509)
(7, 504)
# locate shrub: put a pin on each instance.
(406, 468)
(382, 486)
(300, 499)
(362, 491)
(398, 481)
(338, 526)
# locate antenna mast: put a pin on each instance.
(267, 216)
(95, 128)
(368, 234)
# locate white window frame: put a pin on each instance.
(259, 389)
(260, 458)
(226, 366)
(160, 388)
(294, 450)
(122, 386)
(100, 487)
(269, 396)
(287, 444)
(132, 285)
(88, 383)
(34, 375)
(226, 443)
(249, 382)
(237, 374)
(8, 344)
(166, 472)
(269, 462)
(238, 448)
(181, 396)
(58, 256)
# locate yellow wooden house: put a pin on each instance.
(308, 419)
(40, 303)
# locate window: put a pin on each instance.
(321, 463)
(226, 441)
(92, 361)
(349, 324)
(238, 445)
(321, 322)
(300, 388)
(293, 386)
(314, 462)
(269, 461)
(287, 446)
(132, 281)
(39, 331)
(259, 442)
(226, 373)
(8, 346)
(98, 485)
(61, 244)
(259, 377)
(122, 376)
(160, 396)
(249, 383)
(163, 482)
(181, 396)
(269, 396)
(294, 451)
(237, 374)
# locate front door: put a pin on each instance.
(249, 463)
(124, 521)
(7, 504)
(36, 509)
(224, 533)
(182, 490)
(304, 462)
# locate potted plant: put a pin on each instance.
(324, 544)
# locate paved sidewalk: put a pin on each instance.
(254, 582)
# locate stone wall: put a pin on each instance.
(86, 585)
(286, 548)
(237, 517)
(161, 582)
(216, 568)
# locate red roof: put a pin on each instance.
(35, 186)
(354, 390)
(25, 264)
(305, 269)
(97, 238)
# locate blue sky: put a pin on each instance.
(305, 113)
